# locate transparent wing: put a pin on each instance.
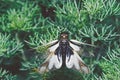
(73, 60)
(83, 49)
(80, 43)
(75, 47)
(53, 61)
(45, 47)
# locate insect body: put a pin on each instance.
(63, 52)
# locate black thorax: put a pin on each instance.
(63, 50)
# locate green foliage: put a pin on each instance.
(111, 65)
(9, 47)
(5, 75)
(101, 33)
(26, 26)
(10, 52)
(19, 19)
(37, 39)
(68, 17)
(100, 9)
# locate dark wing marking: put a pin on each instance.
(69, 52)
(58, 52)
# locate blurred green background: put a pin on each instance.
(25, 25)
